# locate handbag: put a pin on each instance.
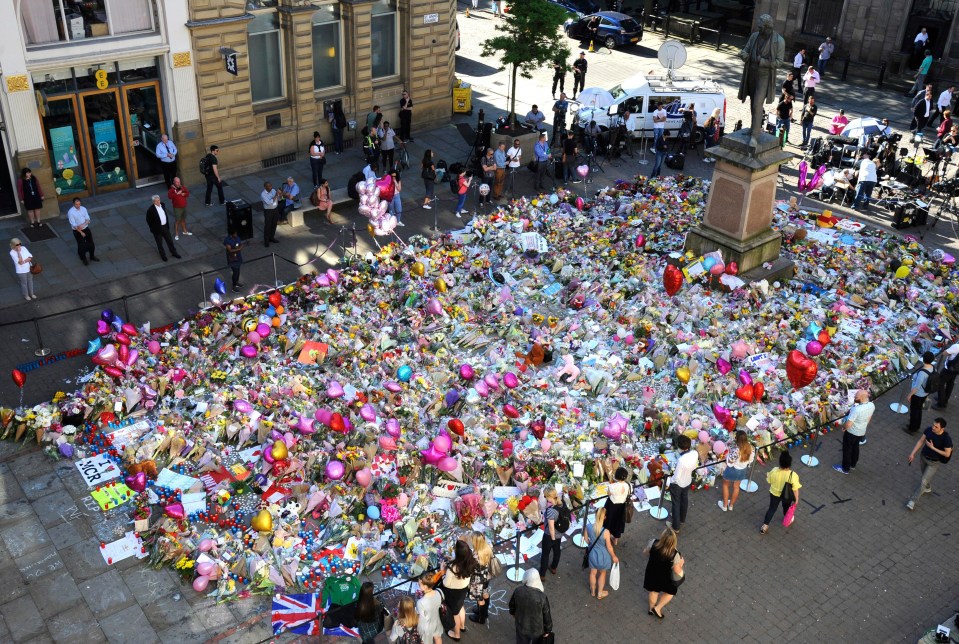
(446, 615)
(681, 577)
(788, 495)
(630, 508)
(590, 549)
(35, 267)
(614, 577)
(547, 638)
(790, 516)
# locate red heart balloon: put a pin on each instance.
(732, 268)
(759, 390)
(800, 370)
(275, 299)
(672, 279)
(538, 427)
(510, 411)
(729, 424)
(456, 426)
(745, 393)
(18, 377)
(824, 337)
(337, 424)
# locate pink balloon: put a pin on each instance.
(102, 327)
(335, 470)
(132, 357)
(580, 203)
(153, 347)
(492, 380)
(174, 510)
(434, 307)
(442, 443)
(482, 388)
(703, 436)
(717, 269)
(204, 569)
(745, 378)
(387, 443)
(289, 439)
(431, 456)
(447, 464)
(304, 425)
(335, 390)
(814, 347)
(739, 350)
(323, 415)
(393, 427)
(248, 351)
(178, 375)
(612, 431)
(510, 380)
(720, 412)
(367, 413)
(545, 444)
(137, 482)
(394, 387)
(263, 330)
(253, 337)
(242, 406)
(582, 170)
(206, 545)
(640, 240)
(723, 366)
(323, 281)
(697, 424)
(106, 355)
(466, 372)
(267, 451)
(719, 447)
(333, 274)
(364, 477)
(200, 583)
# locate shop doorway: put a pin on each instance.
(64, 142)
(9, 200)
(145, 119)
(103, 128)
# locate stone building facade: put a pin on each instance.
(88, 88)
(869, 31)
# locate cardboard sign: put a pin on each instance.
(97, 470)
(111, 496)
(313, 353)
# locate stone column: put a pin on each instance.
(740, 206)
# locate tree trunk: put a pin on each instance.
(512, 103)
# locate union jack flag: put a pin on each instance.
(342, 631)
(296, 613)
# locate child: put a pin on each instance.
(405, 627)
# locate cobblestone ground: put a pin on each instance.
(855, 566)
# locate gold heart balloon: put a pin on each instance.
(419, 269)
(440, 284)
(262, 522)
(279, 451)
(683, 374)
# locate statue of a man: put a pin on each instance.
(763, 55)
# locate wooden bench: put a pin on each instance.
(296, 217)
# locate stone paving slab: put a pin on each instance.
(23, 619)
(129, 626)
(105, 594)
(54, 593)
(76, 625)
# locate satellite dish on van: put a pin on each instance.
(672, 56)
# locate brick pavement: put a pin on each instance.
(862, 569)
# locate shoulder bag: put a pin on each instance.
(35, 267)
(590, 549)
(787, 494)
(630, 508)
(681, 577)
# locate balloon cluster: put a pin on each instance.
(115, 357)
(375, 208)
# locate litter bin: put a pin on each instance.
(462, 98)
(239, 217)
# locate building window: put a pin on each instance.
(266, 57)
(52, 21)
(327, 52)
(383, 33)
(822, 17)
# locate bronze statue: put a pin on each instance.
(763, 55)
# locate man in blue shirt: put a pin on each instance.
(291, 198)
(500, 158)
(166, 153)
(542, 154)
(918, 393)
(535, 119)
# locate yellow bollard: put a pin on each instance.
(467, 12)
(591, 46)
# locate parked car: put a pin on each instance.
(615, 29)
(578, 7)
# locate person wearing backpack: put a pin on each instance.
(601, 555)
(935, 449)
(923, 381)
(552, 535)
(950, 369)
(405, 629)
(211, 170)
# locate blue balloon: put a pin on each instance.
(373, 512)
(93, 346)
(709, 262)
(452, 397)
(554, 198)
(404, 373)
(220, 286)
(107, 315)
(117, 323)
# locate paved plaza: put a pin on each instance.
(855, 567)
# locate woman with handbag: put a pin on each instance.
(456, 582)
(600, 555)
(783, 488)
(487, 567)
(370, 614)
(31, 195)
(428, 609)
(619, 493)
(664, 571)
(24, 266)
(738, 460)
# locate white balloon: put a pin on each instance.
(364, 210)
(389, 224)
(383, 208)
(361, 188)
(484, 189)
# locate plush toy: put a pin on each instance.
(570, 370)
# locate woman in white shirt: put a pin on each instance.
(22, 261)
(738, 460)
(619, 493)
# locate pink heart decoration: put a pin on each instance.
(335, 390)
(174, 511)
(137, 482)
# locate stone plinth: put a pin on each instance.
(740, 206)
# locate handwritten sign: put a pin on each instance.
(97, 470)
(129, 546)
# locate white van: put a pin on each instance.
(640, 96)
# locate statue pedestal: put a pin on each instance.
(740, 206)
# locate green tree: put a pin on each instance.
(528, 39)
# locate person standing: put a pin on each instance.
(406, 117)
(559, 76)
(456, 582)
(387, 137)
(661, 149)
(918, 393)
(944, 102)
(488, 165)
(463, 183)
(935, 449)
(552, 540)
(213, 176)
(664, 571)
(921, 42)
(542, 153)
(799, 63)
(620, 492)
(428, 609)
(925, 111)
(579, 73)
(270, 199)
(569, 158)
(682, 479)
(947, 379)
(482, 573)
(396, 201)
(370, 614)
(839, 122)
(777, 480)
(560, 108)
(923, 71)
(659, 123)
(317, 159)
(529, 607)
(738, 460)
(290, 193)
(810, 81)
(825, 53)
(371, 118)
(867, 180)
(807, 118)
(789, 86)
(22, 262)
(234, 256)
(31, 195)
(404, 629)
(80, 223)
(784, 114)
(428, 173)
(337, 124)
(159, 222)
(854, 430)
(166, 152)
(500, 178)
(602, 554)
(178, 194)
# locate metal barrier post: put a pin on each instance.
(749, 485)
(276, 282)
(719, 38)
(643, 147)
(578, 540)
(666, 28)
(845, 69)
(516, 573)
(900, 407)
(203, 287)
(882, 74)
(660, 512)
(126, 311)
(42, 350)
(808, 459)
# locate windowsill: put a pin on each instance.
(326, 92)
(271, 105)
(385, 80)
(82, 41)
